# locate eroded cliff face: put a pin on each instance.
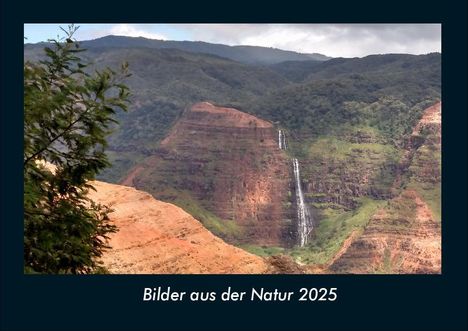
(341, 169)
(225, 166)
(424, 148)
(405, 236)
(155, 237)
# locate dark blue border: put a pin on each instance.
(366, 302)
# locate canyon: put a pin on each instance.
(235, 173)
(270, 162)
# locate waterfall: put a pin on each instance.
(281, 140)
(304, 219)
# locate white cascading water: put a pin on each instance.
(304, 219)
(281, 140)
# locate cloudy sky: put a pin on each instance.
(336, 40)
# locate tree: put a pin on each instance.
(67, 116)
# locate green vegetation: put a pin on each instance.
(425, 172)
(431, 194)
(67, 115)
(295, 71)
(429, 186)
(226, 229)
(389, 98)
(340, 150)
(333, 229)
(263, 250)
(121, 162)
(356, 163)
(387, 265)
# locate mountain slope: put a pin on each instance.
(159, 238)
(328, 99)
(377, 64)
(295, 71)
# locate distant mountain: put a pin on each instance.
(380, 63)
(295, 71)
(300, 71)
(243, 54)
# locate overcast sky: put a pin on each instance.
(336, 40)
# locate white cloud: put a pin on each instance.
(131, 30)
(345, 40)
(291, 38)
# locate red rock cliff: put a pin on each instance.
(228, 163)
